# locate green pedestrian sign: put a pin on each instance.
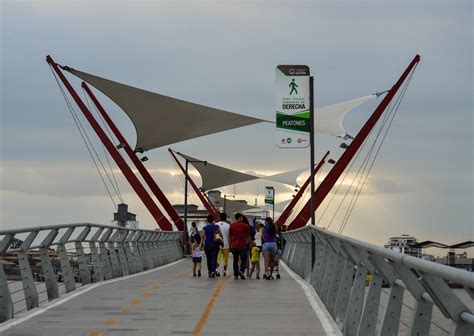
(292, 106)
(293, 87)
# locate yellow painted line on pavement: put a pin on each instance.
(205, 315)
(125, 310)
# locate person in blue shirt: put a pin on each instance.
(211, 244)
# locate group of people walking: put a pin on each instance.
(243, 240)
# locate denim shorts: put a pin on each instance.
(270, 247)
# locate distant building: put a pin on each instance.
(403, 244)
(194, 214)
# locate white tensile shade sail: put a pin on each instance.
(328, 119)
(288, 177)
(161, 120)
(214, 176)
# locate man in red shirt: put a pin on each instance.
(239, 236)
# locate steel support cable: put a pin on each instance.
(341, 180)
(353, 161)
(359, 186)
(300, 204)
(83, 136)
(103, 147)
(117, 191)
(364, 162)
(396, 107)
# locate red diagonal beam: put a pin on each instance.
(136, 161)
(129, 175)
(203, 199)
(325, 187)
(289, 208)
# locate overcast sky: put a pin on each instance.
(223, 54)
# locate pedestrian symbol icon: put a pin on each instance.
(293, 87)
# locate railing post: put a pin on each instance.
(320, 262)
(111, 239)
(133, 267)
(356, 301)
(107, 256)
(6, 305)
(391, 319)
(136, 252)
(120, 242)
(84, 273)
(368, 321)
(448, 302)
(338, 269)
(97, 274)
(29, 287)
(344, 291)
(66, 269)
(49, 277)
(421, 316)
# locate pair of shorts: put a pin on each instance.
(270, 247)
(197, 260)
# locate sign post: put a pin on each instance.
(295, 114)
(270, 199)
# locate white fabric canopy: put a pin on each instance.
(328, 119)
(214, 176)
(288, 177)
(160, 120)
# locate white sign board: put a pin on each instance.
(292, 106)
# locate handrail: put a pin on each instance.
(338, 267)
(109, 252)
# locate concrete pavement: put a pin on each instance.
(169, 301)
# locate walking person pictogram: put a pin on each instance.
(293, 87)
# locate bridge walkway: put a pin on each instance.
(169, 301)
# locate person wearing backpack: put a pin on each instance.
(209, 233)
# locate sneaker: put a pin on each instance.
(217, 274)
(211, 275)
(242, 276)
(194, 274)
(224, 274)
(199, 273)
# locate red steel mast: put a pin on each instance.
(141, 168)
(289, 208)
(331, 179)
(162, 221)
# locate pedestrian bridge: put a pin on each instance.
(88, 279)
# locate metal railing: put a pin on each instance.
(350, 275)
(70, 255)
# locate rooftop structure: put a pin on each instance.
(404, 244)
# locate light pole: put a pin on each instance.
(225, 201)
(185, 233)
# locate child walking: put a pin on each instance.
(255, 253)
(197, 255)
